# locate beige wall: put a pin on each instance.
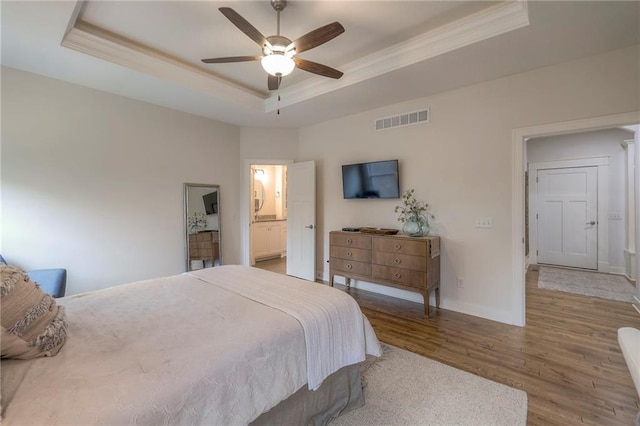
(93, 182)
(461, 164)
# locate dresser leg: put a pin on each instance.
(331, 280)
(438, 296)
(426, 304)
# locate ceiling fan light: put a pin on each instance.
(278, 64)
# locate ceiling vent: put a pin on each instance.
(401, 120)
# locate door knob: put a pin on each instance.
(309, 226)
(593, 222)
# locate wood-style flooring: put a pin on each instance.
(566, 358)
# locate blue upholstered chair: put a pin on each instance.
(52, 281)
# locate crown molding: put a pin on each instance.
(499, 19)
(98, 42)
(95, 41)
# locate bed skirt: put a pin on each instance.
(340, 393)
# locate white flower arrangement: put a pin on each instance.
(197, 222)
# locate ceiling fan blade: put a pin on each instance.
(244, 26)
(231, 59)
(273, 82)
(318, 36)
(316, 68)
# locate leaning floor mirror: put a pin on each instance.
(202, 231)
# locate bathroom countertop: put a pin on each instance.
(271, 220)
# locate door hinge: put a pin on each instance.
(536, 252)
(536, 215)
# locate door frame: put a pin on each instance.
(519, 138)
(602, 163)
(245, 204)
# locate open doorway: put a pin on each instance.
(268, 216)
(520, 138)
(578, 198)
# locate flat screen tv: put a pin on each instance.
(211, 202)
(377, 179)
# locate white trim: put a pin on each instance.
(602, 163)
(95, 41)
(499, 19)
(518, 161)
(87, 38)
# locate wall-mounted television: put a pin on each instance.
(378, 179)
(211, 202)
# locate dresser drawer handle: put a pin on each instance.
(349, 266)
(398, 275)
(396, 260)
(398, 246)
(349, 254)
(349, 240)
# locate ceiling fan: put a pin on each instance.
(279, 53)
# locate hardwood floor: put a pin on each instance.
(278, 265)
(566, 358)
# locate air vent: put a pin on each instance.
(401, 120)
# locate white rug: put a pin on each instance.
(606, 286)
(403, 388)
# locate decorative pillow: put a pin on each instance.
(32, 324)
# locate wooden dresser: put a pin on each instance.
(204, 246)
(409, 263)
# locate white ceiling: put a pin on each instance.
(391, 51)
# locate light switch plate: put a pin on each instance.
(615, 216)
(484, 222)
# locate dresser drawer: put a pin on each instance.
(353, 267)
(401, 276)
(350, 240)
(403, 261)
(349, 253)
(400, 245)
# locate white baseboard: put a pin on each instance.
(617, 270)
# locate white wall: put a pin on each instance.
(93, 182)
(602, 143)
(461, 164)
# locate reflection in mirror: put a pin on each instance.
(268, 188)
(258, 195)
(202, 226)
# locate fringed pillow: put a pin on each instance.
(32, 324)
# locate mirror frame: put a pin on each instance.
(185, 220)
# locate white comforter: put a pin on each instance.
(336, 333)
(176, 350)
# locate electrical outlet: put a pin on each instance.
(484, 222)
(460, 282)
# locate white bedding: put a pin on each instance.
(336, 333)
(174, 350)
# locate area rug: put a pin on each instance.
(606, 286)
(403, 388)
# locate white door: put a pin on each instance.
(568, 217)
(301, 220)
(252, 216)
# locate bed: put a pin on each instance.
(226, 345)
